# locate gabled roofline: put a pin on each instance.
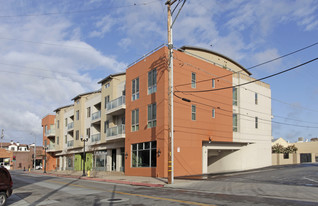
(110, 77)
(87, 93)
(183, 48)
(63, 107)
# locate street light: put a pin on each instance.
(45, 148)
(84, 155)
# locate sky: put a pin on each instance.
(51, 51)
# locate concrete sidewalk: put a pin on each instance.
(113, 177)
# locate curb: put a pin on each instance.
(102, 180)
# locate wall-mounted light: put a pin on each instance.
(126, 155)
(159, 152)
(210, 140)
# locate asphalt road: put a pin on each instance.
(269, 186)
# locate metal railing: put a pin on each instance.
(96, 115)
(95, 137)
(50, 132)
(114, 131)
(70, 143)
(70, 125)
(116, 103)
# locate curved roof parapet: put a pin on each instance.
(188, 49)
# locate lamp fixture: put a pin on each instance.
(159, 152)
(210, 140)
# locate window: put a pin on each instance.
(65, 122)
(107, 85)
(77, 135)
(135, 120)
(213, 113)
(152, 115)
(286, 155)
(144, 154)
(256, 98)
(57, 140)
(193, 80)
(65, 139)
(235, 96)
(88, 112)
(77, 115)
(106, 125)
(152, 81)
(58, 124)
(135, 89)
(193, 112)
(235, 123)
(106, 100)
(88, 132)
(256, 122)
(213, 83)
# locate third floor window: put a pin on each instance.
(135, 89)
(152, 81)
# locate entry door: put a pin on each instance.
(305, 157)
(114, 160)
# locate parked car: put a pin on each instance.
(38, 167)
(5, 185)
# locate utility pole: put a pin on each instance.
(2, 135)
(170, 129)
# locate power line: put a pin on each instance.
(79, 11)
(263, 63)
(256, 80)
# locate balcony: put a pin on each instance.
(95, 137)
(50, 133)
(50, 147)
(70, 126)
(70, 143)
(115, 132)
(116, 106)
(96, 117)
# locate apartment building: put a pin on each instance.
(97, 117)
(218, 126)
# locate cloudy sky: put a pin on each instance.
(50, 51)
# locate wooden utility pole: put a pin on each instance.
(170, 123)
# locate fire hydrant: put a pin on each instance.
(88, 173)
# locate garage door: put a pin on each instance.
(305, 157)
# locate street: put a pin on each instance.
(284, 185)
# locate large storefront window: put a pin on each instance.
(100, 160)
(144, 154)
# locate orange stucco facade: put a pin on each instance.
(50, 158)
(188, 134)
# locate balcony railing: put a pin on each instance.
(51, 146)
(114, 131)
(96, 115)
(50, 132)
(70, 143)
(70, 125)
(95, 137)
(116, 103)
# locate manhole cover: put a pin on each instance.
(114, 200)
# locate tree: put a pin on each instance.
(277, 148)
(290, 149)
(315, 139)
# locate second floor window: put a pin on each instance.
(57, 140)
(77, 135)
(135, 89)
(256, 122)
(152, 115)
(193, 112)
(152, 81)
(235, 96)
(193, 80)
(65, 139)
(88, 132)
(135, 120)
(235, 123)
(106, 126)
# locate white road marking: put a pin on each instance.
(310, 179)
